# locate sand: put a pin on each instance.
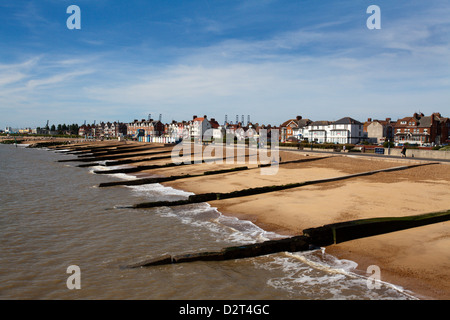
(418, 259)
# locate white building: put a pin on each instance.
(199, 126)
(342, 131)
(317, 131)
(347, 130)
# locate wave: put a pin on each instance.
(335, 278)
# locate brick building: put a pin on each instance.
(422, 130)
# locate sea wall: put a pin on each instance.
(419, 153)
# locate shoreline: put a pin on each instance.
(414, 259)
(424, 276)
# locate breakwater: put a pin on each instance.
(311, 239)
(260, 190)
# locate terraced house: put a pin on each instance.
(145, 128)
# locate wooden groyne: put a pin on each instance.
(294, 244)
(47, 144)
(80, 149)
(160, 166)
(166, 179)
(115, 151)
(356, 229)
(113, 157)
(185, 176)
(312, 238)
(205, 197)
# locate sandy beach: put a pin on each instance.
(416, 259)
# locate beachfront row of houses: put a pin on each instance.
(417, 129)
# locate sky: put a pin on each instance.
(271, 60)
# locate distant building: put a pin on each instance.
(198, 127)
(342, 131)
(145, 128)
(294, 129)
(422, 130)
(347, 130)
(86, 131)
(318, 131)
(379, 131)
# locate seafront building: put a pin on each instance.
(418, 130)
(343, 131)
(103, 130)
(294, 129)
(422, 130)
(379, 131)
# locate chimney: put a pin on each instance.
(369, 120)
(388, 119)
(299, 118)
(437, 114)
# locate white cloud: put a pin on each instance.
(320, 72)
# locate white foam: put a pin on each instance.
(226, 228)
(156, 189)
(123, 176)
(335, 277)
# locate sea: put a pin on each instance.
(64, 238)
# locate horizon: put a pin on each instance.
(272, 60)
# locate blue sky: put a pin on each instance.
(268, 59)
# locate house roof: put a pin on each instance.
(347, 120)
(214, 124)
(288, 122)
(425, 122)
(298, 123)
(321, 123)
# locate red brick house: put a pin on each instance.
(293, 128)
(420, 129)
(150, 128)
